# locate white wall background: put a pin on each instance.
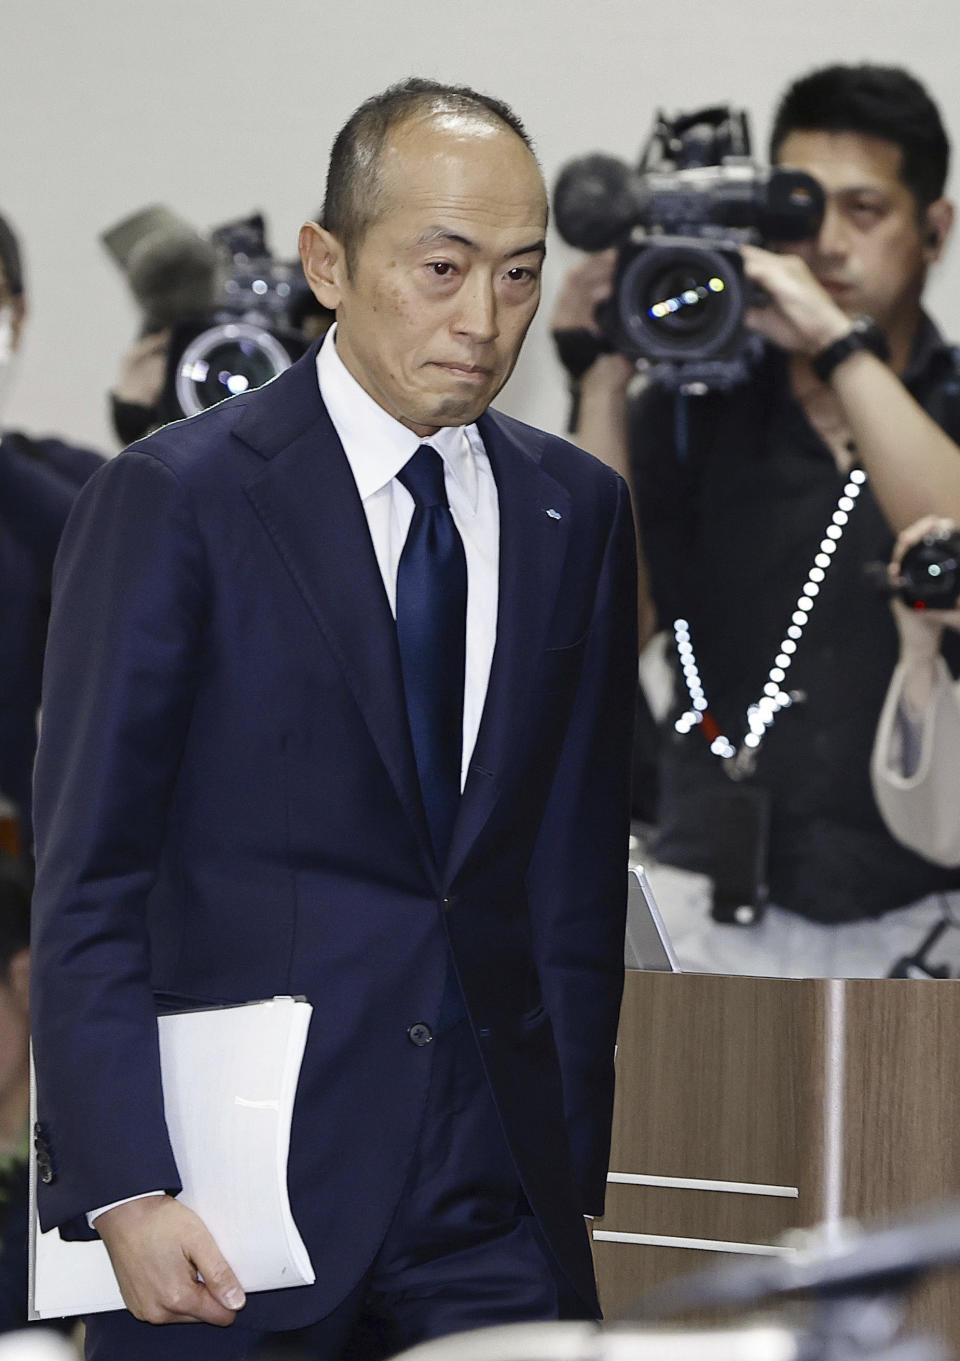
(220, 107)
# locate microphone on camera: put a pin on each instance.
(172, 270)
(596, 200)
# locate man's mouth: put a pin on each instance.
(837, 288)
(474, 373)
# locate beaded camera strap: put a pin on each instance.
(761, 715)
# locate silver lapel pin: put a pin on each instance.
(554, 514)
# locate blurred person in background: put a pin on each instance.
(39, 479)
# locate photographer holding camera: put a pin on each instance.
(758, 504)
(219, 315)
(916, 754)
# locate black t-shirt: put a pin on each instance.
(734, 494)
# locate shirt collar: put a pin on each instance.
(376, 445)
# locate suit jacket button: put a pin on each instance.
(420, 1034)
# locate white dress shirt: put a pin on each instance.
(377, 448)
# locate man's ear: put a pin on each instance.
(324, 263)
(939, 221)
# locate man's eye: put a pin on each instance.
(441, 268)
(521, 274)
(866, 210)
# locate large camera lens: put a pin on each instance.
(681, 301)
(225, 360)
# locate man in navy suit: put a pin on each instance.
(250, 783)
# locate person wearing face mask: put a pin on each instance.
(39, 479)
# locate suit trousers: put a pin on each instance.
(462, 1250)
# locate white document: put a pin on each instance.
(229, 1081)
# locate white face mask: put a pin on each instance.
(7, 354)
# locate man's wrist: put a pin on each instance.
(862, 334)
(94, 1215)
(578, 349)
(607, 379)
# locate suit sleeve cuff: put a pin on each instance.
(95, 1214)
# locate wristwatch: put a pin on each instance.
(864, 334)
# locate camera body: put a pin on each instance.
(679, 220)
(248, 337)
(930, 572)
(235, 314)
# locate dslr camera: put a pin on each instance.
(678, 220)
(234, 312)
(248, 338)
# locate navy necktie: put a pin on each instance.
(431, 630)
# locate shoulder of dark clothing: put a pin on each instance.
(71, 461)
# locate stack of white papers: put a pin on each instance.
(229, 1081)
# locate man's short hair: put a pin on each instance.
(10, 258)
(354, 186)
(875, 101)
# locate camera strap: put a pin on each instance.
(761, 715)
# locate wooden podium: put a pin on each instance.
(746, 1107)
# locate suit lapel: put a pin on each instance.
(308, 503)
(307, 500)
(535, 520)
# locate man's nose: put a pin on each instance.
(832, 240)
(477, 311)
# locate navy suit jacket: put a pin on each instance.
(227, 807)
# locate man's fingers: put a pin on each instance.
(215, 1272)
(159, 1248)
(929, 524)
(177, 1296)
(186, 1302)
(198, 1304)
(585, 285)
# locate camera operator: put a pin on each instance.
(219, 315)
(916, 754)
(844, 428)
(39, 479)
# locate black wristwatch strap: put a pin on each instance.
(864, 334)
(577, 348)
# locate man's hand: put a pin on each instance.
(604, 384)
(159, 1248)
(586, 284)
(920, 630)
(799, 315)
(142, 370)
